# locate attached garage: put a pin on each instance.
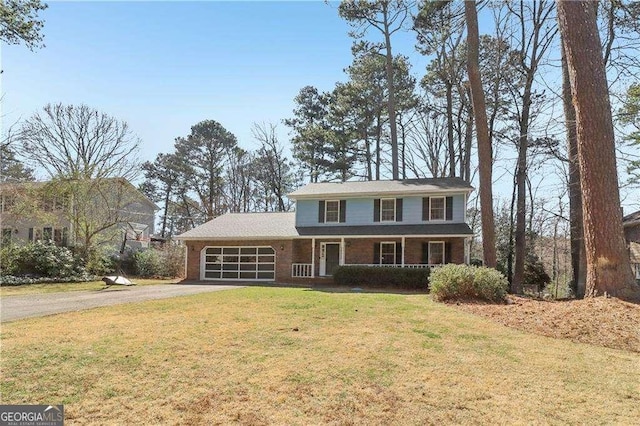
(248, 263)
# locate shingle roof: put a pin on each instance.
(379, 187)
(245, 226)
(440, 229)
(261, 226)
(631, 219)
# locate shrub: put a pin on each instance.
(9, 259)
(100, 262)
(462, 282)
(382, 277)
(164, 262)
(10, 280)
(45, 259)
(147, 263)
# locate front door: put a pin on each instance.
(329, 258)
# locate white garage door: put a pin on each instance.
(238, 263)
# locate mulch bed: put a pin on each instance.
(607, 322)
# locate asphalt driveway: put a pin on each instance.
(37, 305)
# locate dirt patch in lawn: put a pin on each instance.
(601, 321)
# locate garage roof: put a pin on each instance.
(245, 226)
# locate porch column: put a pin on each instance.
(313, 257)
(467, 250)
(342, 248)
(403, 240)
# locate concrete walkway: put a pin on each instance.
(37, 305)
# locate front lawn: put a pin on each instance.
(298, 356)
(18, 290)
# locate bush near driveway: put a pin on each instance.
(382, 277)
(463, 282)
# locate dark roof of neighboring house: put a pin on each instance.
(261, 226)
(631, 219)
(381, 187)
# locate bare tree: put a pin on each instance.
(78, 142)
(608, 268)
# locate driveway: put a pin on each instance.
(37, 305)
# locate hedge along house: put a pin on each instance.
(417, 223)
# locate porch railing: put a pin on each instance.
(301, 270)
(406, 265)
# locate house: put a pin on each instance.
(631, 224)
(67, 212)
(417, 223)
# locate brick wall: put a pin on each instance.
(358, 251)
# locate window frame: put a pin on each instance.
(444, 208)
(326, 211)
(381, 257)
(395, 213)
(442, 244)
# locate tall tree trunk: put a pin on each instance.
(578, 259)
(485, 156)
(391, 102)
(521, 186)
(367, 154)
(608, 267)
(452, 151)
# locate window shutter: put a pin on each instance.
(398, 253)
(449, 203)
(321, 211)
(398, 209)
(425, 208)
(425, 253)
(30, 234)
(376, 253)
(447, 252)
(343, 211)
(376, 210)
(65, 236)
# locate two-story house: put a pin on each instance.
(67, 212)
(416, 223)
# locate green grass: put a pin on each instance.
(63, 287)
(295, 356)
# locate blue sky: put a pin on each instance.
(164, 66)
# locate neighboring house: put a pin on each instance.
(417, 223)
(111, 208)
(631, 225)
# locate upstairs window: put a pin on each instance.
(332, 211)
(388, 210)
(437, 208)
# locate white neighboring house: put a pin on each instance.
(112, 208)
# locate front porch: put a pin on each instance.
(318, 257)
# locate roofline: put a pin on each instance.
(308, 237)
(378, 193)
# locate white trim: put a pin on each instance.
(444, 254)
(444, 209)
(297, 237)
(323, 256)
(326, 204)
(403, 246)
(395, 213)
(313, 257)
(377, 194)
(394, 253)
